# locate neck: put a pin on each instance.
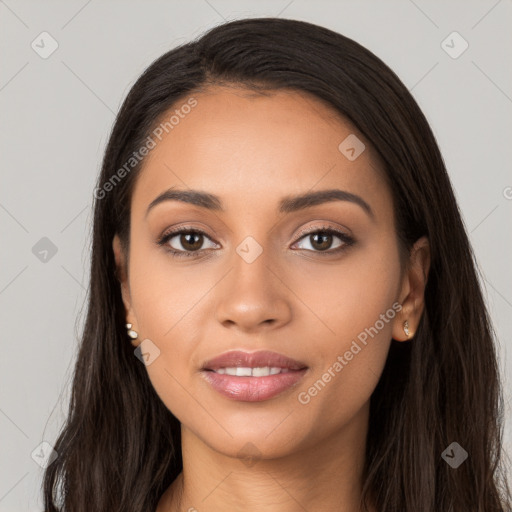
(326, 475)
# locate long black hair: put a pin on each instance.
(120, 447)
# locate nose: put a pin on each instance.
(253, 296)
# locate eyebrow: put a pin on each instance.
(288, 204)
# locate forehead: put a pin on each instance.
(254, 149)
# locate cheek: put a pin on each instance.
(166, 303)
(163, 295)
(349, 296)
(354, 302)
(167, 317)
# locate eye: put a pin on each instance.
(190, 240)
(321, 240)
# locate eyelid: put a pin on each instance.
(172, 232)
(323, 227)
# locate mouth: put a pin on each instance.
(252, 377)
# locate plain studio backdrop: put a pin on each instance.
(65, 69)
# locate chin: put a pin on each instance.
(254, 436)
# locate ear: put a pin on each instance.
(122, 277)
(412, 293)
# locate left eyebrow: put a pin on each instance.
(295, 203)
(288, 204)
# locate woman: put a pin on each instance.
(284, 309)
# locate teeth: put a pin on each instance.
(251, 372)
(243, 372)
(263, 372)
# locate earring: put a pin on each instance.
(133, 334)
(406, 328)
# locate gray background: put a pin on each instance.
(56, 114)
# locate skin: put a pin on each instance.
(251, 151)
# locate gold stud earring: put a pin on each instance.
(406, 328)
(133, 334)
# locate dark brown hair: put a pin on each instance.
(120, 447)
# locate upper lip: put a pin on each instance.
(260, 359)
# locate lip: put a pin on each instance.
(252, 389)
(253, 360)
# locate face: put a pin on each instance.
(319, 282)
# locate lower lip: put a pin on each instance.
(253, 389)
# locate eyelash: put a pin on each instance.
(346, 239)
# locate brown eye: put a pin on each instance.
(191, 241)
(321, 240)
(185, 242)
